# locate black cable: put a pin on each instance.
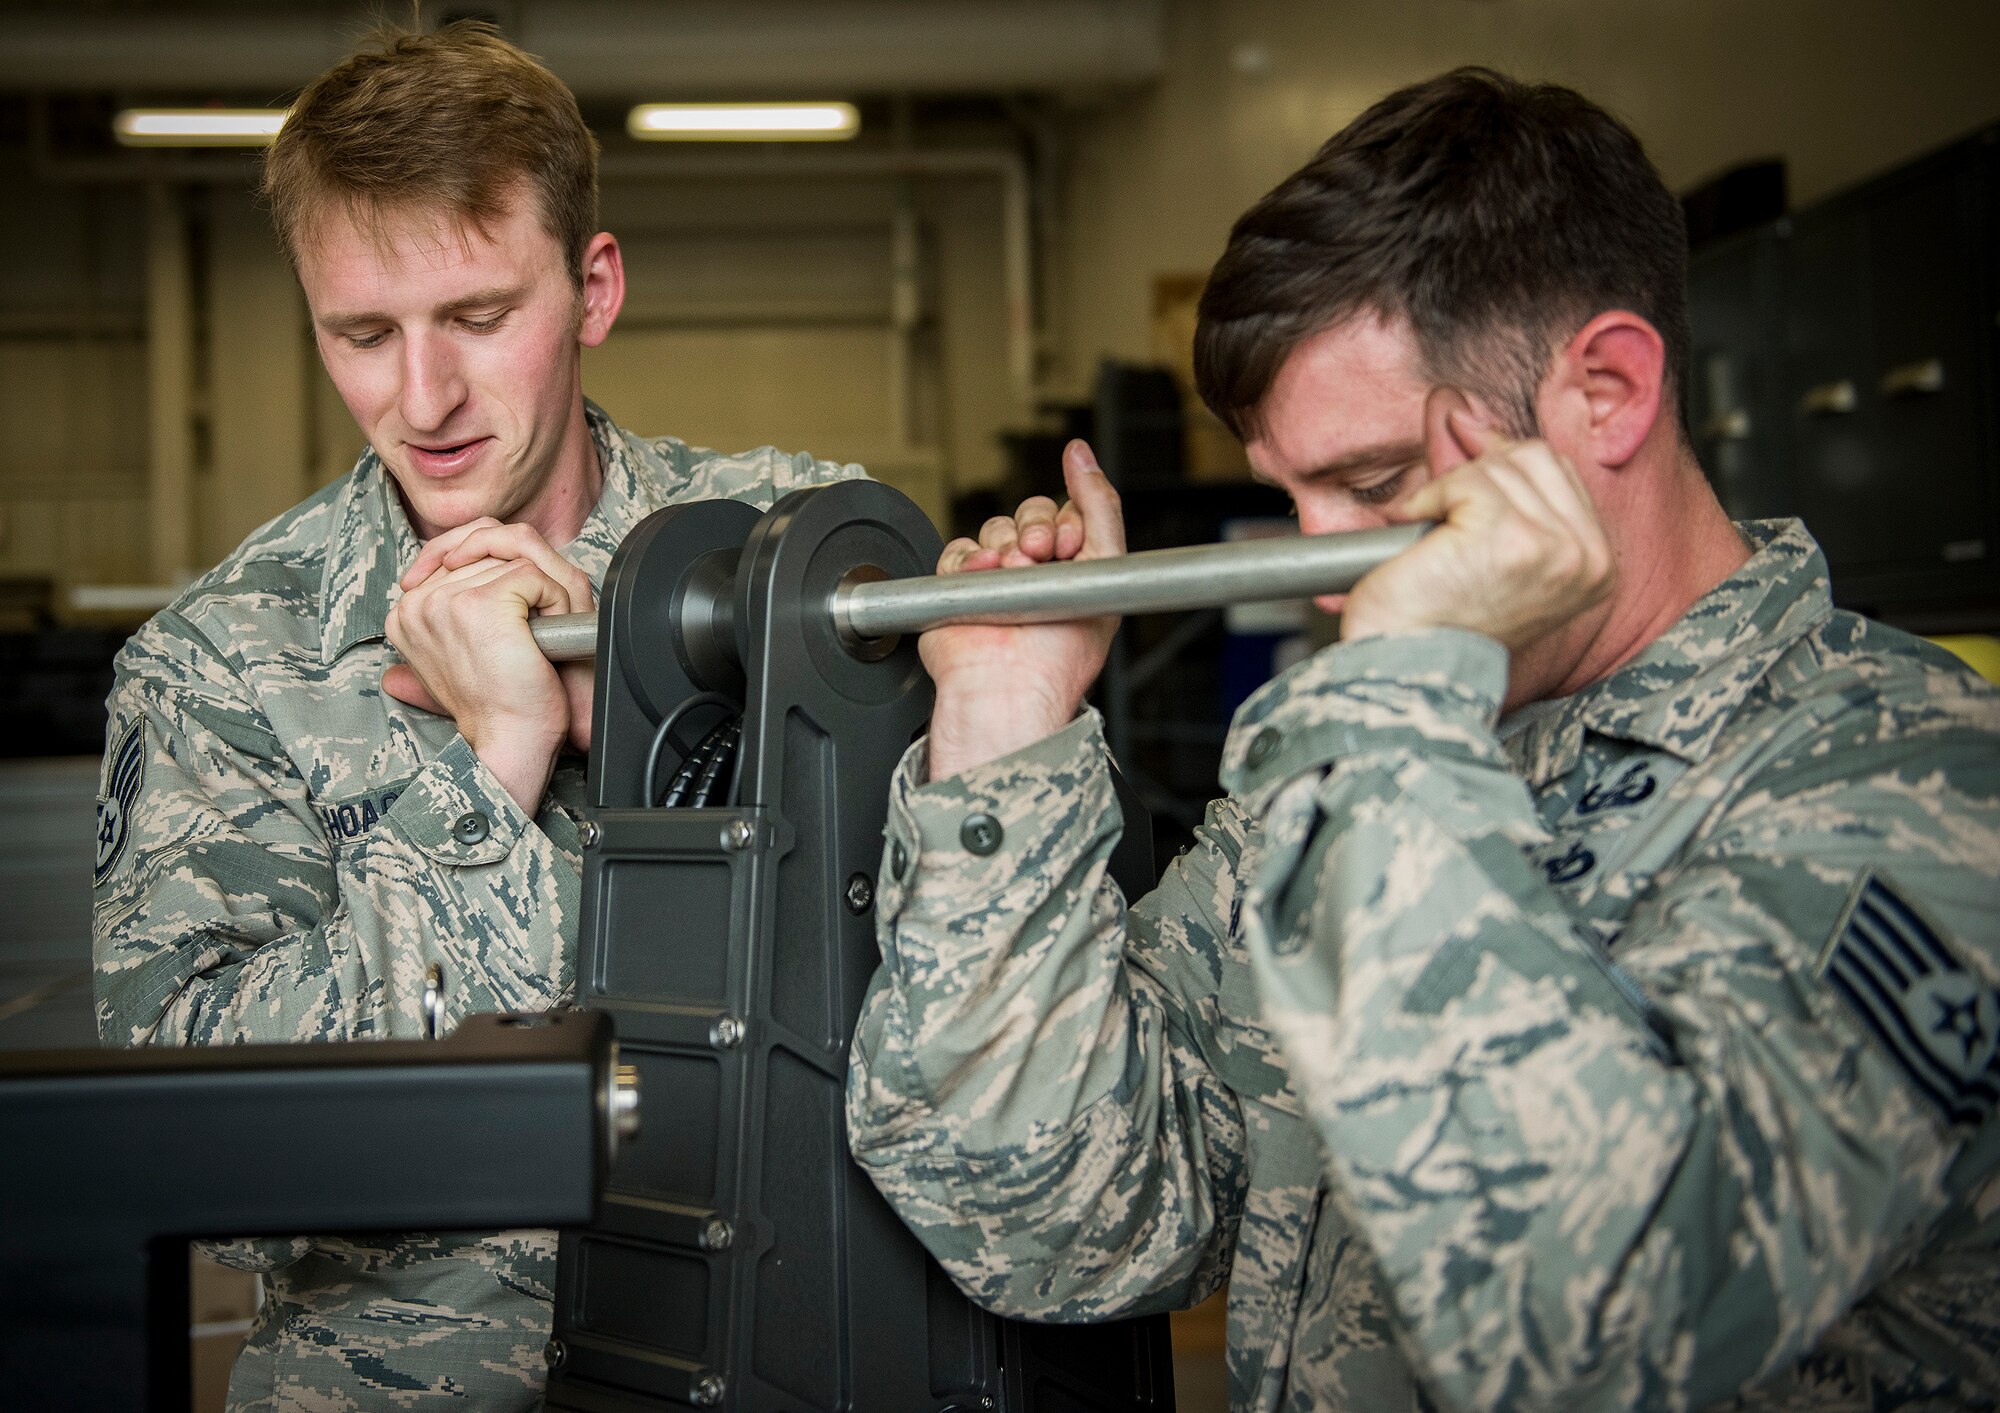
(667, 724)
(717, 759)
(697, 764)
(734, 797)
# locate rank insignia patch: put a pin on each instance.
(1940, 1021)
(121, 788)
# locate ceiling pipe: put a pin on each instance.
(623, 50)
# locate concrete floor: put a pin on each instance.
(48, 830)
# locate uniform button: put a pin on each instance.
(1263, 746)
(980, 833)
(472, 828)
(899, 858)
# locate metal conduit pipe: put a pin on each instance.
(620, 49)
(869, 610)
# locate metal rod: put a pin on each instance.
(565, 637)
(1157, 581)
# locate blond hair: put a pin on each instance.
(456, 119)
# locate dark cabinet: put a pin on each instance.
(1736, 312)
(1844, 364)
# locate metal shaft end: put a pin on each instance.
(858, 644)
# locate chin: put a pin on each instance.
(444, 508)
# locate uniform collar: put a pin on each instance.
(372, 541)
(1680, 692)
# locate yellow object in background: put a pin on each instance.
(1978, 651)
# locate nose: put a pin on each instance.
(433, 387)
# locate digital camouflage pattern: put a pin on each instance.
(287, 866)
(1632, 1051)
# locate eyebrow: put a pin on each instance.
(497, 294)
(1380, 457)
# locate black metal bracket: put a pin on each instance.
(111, 1160)
(742, 1261)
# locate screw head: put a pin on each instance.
(860, 893)
(726, 1033)
(588, 833)
(555, 1354)
(717, 1234)
(738, 834)
(707, 1391)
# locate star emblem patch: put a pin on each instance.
(1939, 1020)
(121, 788)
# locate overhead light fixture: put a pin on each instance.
(743, 122)
(197, 127)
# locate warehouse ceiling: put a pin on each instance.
(606, 50)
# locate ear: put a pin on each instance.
(603, 288)
(1602, 396)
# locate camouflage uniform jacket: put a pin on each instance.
(1627, 1052)
(278, 861)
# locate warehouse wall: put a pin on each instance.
(1839, 88)
(72, 380)
(759, 310)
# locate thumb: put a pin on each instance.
(1092, 493)
(402, 683)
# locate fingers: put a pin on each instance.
(468, 604)
(1090, 525)
(1101, 517)
(1035, 529)
(963, 554)
(1069, 530)
(487, 539)
(1446, 447)
(435, 549)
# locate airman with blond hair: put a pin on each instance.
(338, 758)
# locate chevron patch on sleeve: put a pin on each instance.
(1939, 1021)
(121, 788)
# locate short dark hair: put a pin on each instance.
(456, 119)
(1496, 217)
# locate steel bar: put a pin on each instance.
(1157, 581)
(565, 637)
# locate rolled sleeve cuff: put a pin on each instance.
(457, 811)
(972, 842)
(1437, 692)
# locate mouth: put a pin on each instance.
(443, 459)
(1331, 603)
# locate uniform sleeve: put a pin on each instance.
(1592, 1187)
(225, 914)
(1028, 1089)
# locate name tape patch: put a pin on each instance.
(121, 789)
(349, 819)
(1938, 1020)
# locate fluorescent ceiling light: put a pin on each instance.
(197, 127)
(743, 122)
